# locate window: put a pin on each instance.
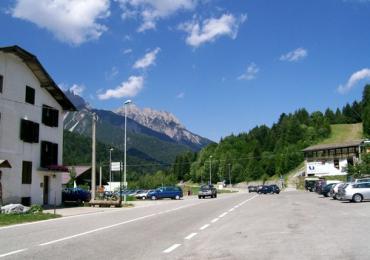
(50, 116)
(26, 172)
(29, 131)
(49, 154)
(1, 83)
(30, 95)
(336, 163)
(26, 201)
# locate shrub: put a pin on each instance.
(35, 209)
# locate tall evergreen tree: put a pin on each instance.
(366, 110)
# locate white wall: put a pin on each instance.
(13, 108)
(319, 168)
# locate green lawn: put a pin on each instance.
(343, 133)
(12, 219)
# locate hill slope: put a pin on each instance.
(343, 133)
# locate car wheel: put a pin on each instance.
(143, 198)
(335, 196)
(199, 197)
(357, 198)
(153, 197)
(215, 195)
(177, 197)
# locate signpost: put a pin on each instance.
(115, 167)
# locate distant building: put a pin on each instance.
(83, 175)
(332, 159)
(31, 129)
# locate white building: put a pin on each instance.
(31, 129)
(332, 159)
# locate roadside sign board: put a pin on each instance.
(116, 166)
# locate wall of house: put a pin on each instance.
(13, 108)
(326, 168)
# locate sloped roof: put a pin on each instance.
(42, 75)
(79, 170)
(333, 146)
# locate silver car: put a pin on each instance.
(355, 192)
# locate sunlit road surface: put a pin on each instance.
(291, 225)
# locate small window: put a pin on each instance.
(49, 154)
(26, 201)
(30, 95)
(26, 172)
(336, 163)
(50, 116)
(1, 83)
(29, 131)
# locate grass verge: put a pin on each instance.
(12, 219)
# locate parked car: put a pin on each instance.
(166, 192)
(252, 188)
(355, 192)
(362, 180)
(77, 195)
(309, 184)
(335, 189)
(319, 185)
(275, 189)
(207, 191)
(143, 194)
(259, 187)
(326, 189)
(265, 189)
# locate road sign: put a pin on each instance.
(116, 166)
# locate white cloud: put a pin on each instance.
(250, 73)
(181, 95)
(127, 51)
(77, 89)
(150, 11)
(148, 59)
(211, 29)
(112, 73)
(354, 79)
(295, 55)
(129, 88)
(70, 21)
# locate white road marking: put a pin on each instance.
(114, 225)
(223, 215)
(215, 220)
(204, 227)
(171, 248)
(96, 230)
(231, 209)
(13, 252)
(191, 236)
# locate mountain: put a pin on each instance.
(166, 123)
(142, 141)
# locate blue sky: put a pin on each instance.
(221, 67)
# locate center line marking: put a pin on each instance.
(215, 220)
(204, 227)
(223, 214)
(171, 248)
(13, 252)
(191, 236)
(231, 209)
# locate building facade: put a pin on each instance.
(332, 159)
(31, 129)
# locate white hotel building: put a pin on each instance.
(332, 159)
(31, 129)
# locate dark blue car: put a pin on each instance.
(166, 192)
(75, 195)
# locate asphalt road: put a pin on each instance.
(239, 226)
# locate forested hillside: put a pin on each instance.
(267, 151)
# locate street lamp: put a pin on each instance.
(210, 169)
(110, 169)
(127, 102)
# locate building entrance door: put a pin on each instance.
(46, 190)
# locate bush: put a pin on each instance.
(35, 209)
